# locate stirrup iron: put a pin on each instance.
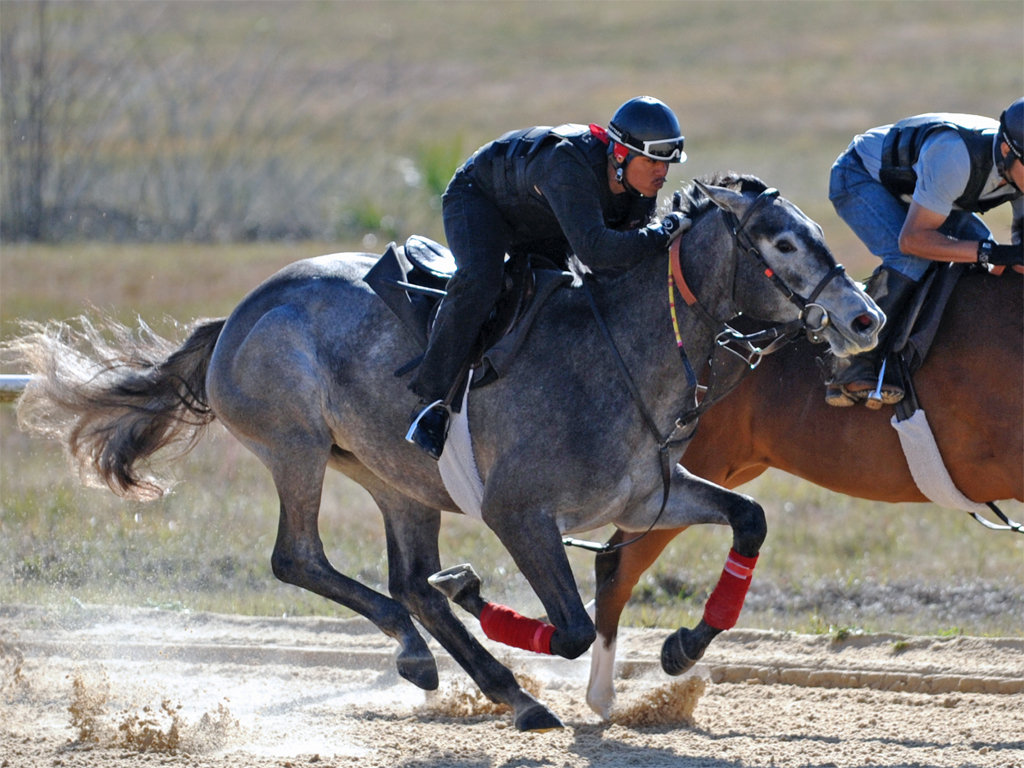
(416, 421)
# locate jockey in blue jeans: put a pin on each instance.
(553, 193)
(912, 193)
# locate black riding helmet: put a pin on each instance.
(644, 126)
(1011, 130)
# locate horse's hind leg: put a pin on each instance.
(412, 532)
(299, 559)
(617, 572)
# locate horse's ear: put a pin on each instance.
(725, 198)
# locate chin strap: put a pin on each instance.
(620, 176)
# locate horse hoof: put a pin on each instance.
(456, 582)
(601, 704)
(419, 669)
(537, 719)
(674, 658)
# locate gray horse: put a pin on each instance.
(303, 374)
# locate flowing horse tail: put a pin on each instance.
(114, 397)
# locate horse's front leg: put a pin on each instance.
(535, 543)
(746, 517)
(617, 573)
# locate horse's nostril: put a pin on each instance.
(863, 322)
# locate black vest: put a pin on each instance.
(511, 153)
(902, 147)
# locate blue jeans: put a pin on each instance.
(876, 216)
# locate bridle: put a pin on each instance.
(726, 338)
(813, 318)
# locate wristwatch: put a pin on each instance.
(985, 253)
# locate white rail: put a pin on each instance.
(11, 386)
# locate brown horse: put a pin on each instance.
(970, 387)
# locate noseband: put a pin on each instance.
(813, 318)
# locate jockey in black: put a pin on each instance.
(550, 193)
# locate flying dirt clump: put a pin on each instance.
(671, 704)
(13, 682)
(145, 729)
(153, 730)
(459, 698)
(88, 708)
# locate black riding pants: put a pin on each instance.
(478, 237)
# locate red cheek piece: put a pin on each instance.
(504, 625)
(620, 153)
(723, 607)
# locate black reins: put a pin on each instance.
(686, 424)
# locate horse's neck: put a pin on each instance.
(636, 309)
(708, 266)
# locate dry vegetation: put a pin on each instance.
(216, 121)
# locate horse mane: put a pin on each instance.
(695, 203)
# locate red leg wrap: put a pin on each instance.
(723, 607)
(506, 626)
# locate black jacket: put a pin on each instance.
(551, 187)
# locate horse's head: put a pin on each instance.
(782, 270)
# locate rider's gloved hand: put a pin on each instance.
(672, 226)
(1000, 255)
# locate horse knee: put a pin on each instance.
(749, 527)
(289, 566)
(284, 568)
(572, 642)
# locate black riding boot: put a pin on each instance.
(856, 378)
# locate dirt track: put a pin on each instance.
(95, 686)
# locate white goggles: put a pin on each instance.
(663, 150)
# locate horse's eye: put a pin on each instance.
(785, 246)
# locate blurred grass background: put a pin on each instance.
(228, 121)
(355, 114)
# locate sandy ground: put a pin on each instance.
(132, 688)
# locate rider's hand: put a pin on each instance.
(673, 225)
(1000, 255)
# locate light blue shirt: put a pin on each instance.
(943, 167)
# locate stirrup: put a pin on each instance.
(428, 436)
(881, 396)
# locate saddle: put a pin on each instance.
(916, 332)
(410, 279)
